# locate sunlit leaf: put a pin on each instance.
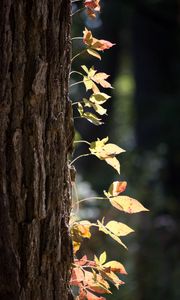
(111, 276)
(92, 78)
(102, 258)
(81, 229)
(106, 152)
(100, 98)
(80, 109)
(92, 118)
(100, 78)
(115, 266)
(93, 43)
(88, 83)
(119, 228)
(76, 246)
(96, 282)
(94, 4)
(91, 296)
(94, 53)
(127, 204)
(98, 108)
(116, 188)
(108, 232)
(77, 276)
(111, 150)
(113, 162)
(85, 69)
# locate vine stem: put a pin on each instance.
(75, 1)
(78, 54)
(77, 38)
(75, 103)
(77, 11)
(82, 155)
(78, 82)
(92, 198)
(76, 72)
(81, 141)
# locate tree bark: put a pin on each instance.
(35, 138)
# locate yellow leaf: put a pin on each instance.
(81, 229)
(113, 278)
(118, 228)
(94, 53)
(85, 69)
(113, 162)
(76, 246)
(100, 79)
(102, 258)
(92, 118)
(99, 97)
(112, 149)
(88, 83)
(127, 204)
(99, 109)
(115, 266)
(108, 232)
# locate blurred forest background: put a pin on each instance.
(143, 118)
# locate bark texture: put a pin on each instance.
(35, 137)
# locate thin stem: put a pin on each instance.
(77, 202)
(82, 155)
(75, 1)
(79, 118)
(75, 103)
(81, 141)
(77, 38)
(78, 82)
(78, 54)
(76, 72)
(92, 198)
(77, 11)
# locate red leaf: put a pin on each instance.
(91, 296)
(77, 276)
(93, 4)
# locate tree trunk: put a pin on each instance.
(35, 137)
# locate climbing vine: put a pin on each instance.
(93, 277)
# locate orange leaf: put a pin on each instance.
(91, 296)
(77, 276)
(127, 204)
(76, 246)
(115, 266)
(100, 79)
(113, 278)
(116, 188)
(94, 43)
(96, 283)
(94, 4)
